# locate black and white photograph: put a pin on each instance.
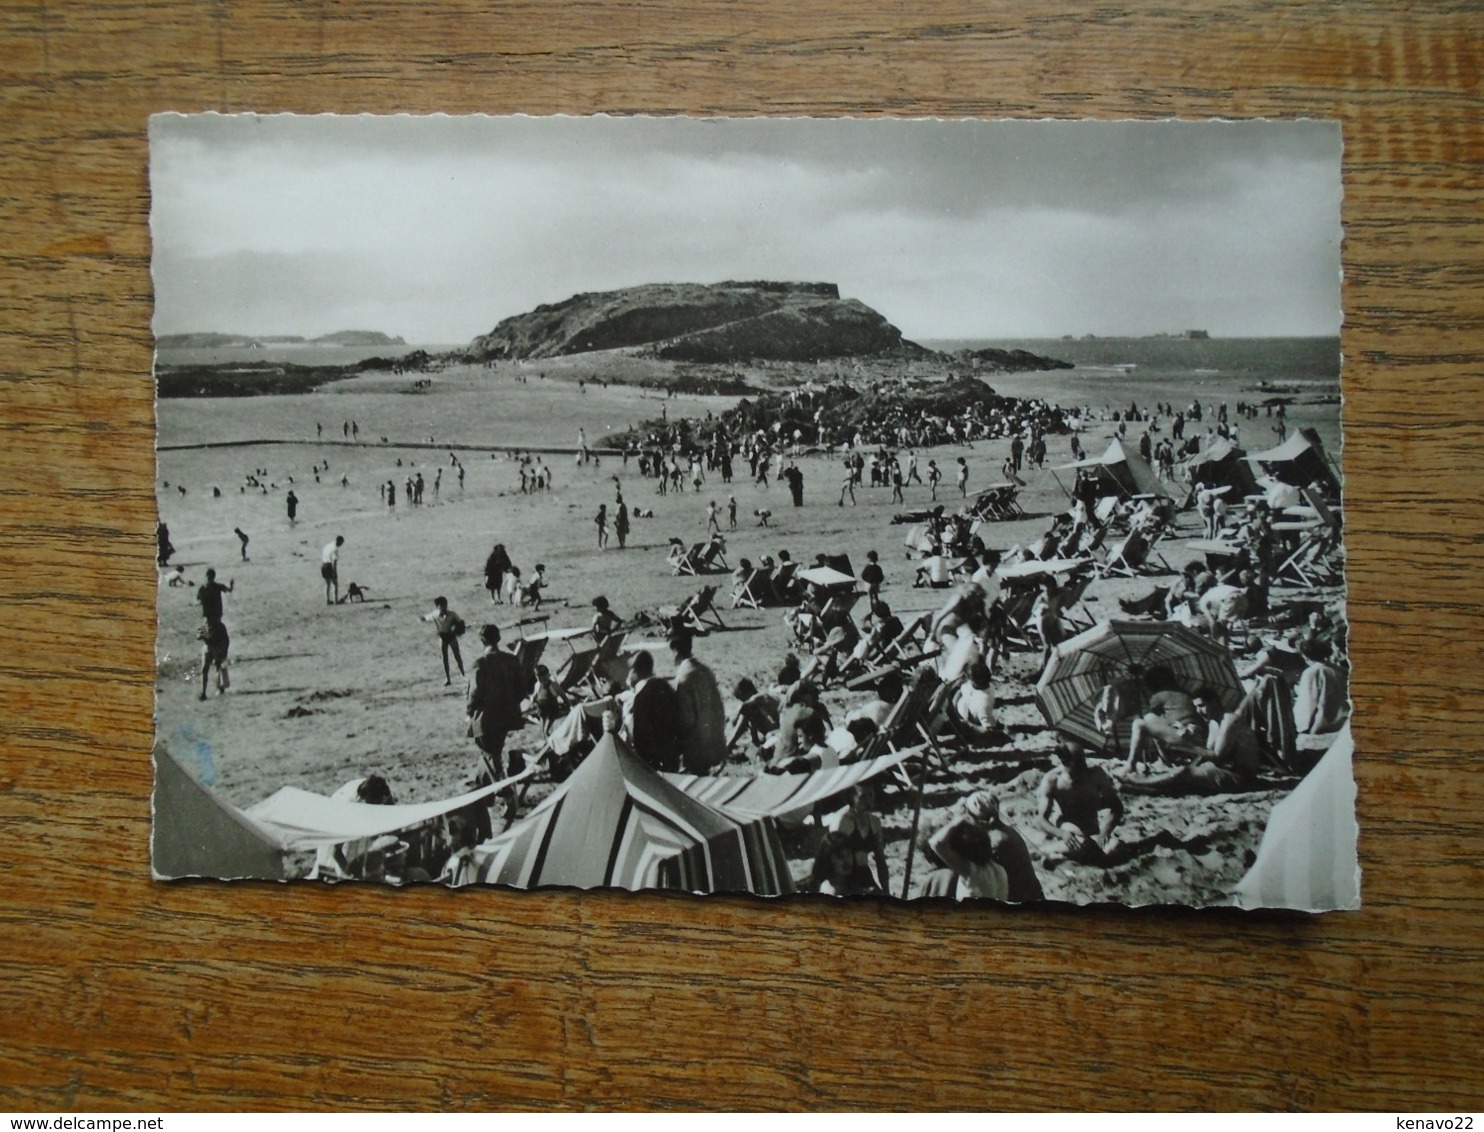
(910, 509)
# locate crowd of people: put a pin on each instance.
(1169, 737)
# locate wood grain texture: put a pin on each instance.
(120, 993)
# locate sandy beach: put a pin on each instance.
(322, 694)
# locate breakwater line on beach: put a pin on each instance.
(511, 449)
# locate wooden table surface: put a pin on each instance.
(119, 993)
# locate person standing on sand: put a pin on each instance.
(621, 523)
(493, 710)
(961, 478)
(848, 486)
(216, 643)
(450, 627)
(162, 544)
(293, 505)
(700, 713)
(601, 520)
(795, 476)
(732, 512)
(495, 568)
(391, 494)
(329, 569)
(242, 538)
(209, 596)
(934, 477)
(712, 523)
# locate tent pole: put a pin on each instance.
(912, 834)
(1057, 478)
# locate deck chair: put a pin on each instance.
(608, 665)
(840, 603)
(697, 608)
(1017, 605)
(906, 725)
(755, 591)
(683, 559)
(912, 638)
(528, 652)
(1131, 556)
(577, 672)
(713, 556)
(784, 584)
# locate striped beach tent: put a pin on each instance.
(1307, 859)
(770, 795)
(1120, 655)
(617, 823)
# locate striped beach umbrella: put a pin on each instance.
(617, 823)
(1120, 655)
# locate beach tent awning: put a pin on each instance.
(197, 834)
(1222, 464)
(1121, 654)
(617, 823)
(1130, 471)
(826, 576)
(769, 795)
(304, 820)
(1307, 858)
(1299, 461)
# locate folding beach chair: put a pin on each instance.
(699, 612)
(755, 591)
(577, 672)
(784, 584)
(905, 727)
(700, 558)
(1130, 557)
(1016, 606)
(683, 559)
(528, 652)
(608, 664)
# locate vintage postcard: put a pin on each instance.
(921, 509)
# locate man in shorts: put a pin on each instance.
(329, 569)
(1078, 807)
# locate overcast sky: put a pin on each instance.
(437, 228)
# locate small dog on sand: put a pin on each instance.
(355, 592)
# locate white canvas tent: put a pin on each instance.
(197, 834)
(1129, 473)
(304, 820)
(1307, 859)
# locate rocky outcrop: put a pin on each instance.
(721, 322)
(992, 360)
